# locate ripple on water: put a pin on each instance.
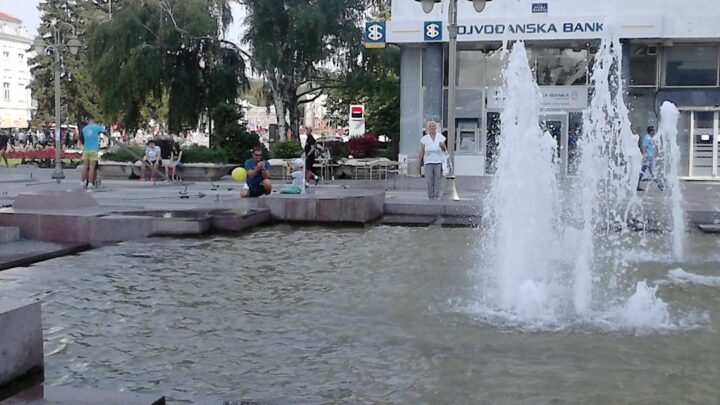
(362, 315)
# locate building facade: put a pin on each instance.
(15, 99)
(671, 51)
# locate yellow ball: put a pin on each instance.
(239, 174)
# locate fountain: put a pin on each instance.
(669, 116)
(551, 265)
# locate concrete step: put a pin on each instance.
(9, 234)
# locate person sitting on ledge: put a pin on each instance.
(258, 175)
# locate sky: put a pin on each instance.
(27, 11)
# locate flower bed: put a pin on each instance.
(43, 158)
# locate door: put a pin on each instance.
(703, 144)
(557, 125)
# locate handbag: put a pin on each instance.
(446, 164)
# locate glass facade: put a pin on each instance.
(691, 65)
(643, 65)
(651, 68)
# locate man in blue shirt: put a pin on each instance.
(647, 146)
(91, 148)
(258, 175)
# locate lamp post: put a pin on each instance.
(58, 43)
(427, 5)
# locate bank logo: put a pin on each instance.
(433, 31)
(375, 34)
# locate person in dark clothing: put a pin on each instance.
(4, 140)
(310, 155)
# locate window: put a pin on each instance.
(561, 67)
(6, 55)
(691, 65)
(6, 91)
(21, 56)
(471, 69)
(643, 65)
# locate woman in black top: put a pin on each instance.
(310, 154)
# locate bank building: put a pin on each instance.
(671, 51)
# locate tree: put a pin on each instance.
(297, 44)
(172, 49)
(79, 96)
(375, 82)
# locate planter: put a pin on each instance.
(202, 171)
(115, 170)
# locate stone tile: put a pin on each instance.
(122, 228)
(54, 200)
(9, 234)
(228, 222)
(29, 224)
(21, 340)
(40, 394)
(59, 228)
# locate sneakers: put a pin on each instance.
(142, 178)
(153, 179)
(317, 180)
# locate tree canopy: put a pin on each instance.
(165, 48)
(297, 45)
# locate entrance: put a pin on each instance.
(703, 144)
(557, 124)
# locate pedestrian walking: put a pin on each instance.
(648, 148)
(432, 149)
(310, 156)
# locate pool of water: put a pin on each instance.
(361, 315)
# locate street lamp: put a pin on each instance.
(427, 5)
(58, 43)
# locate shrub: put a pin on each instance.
(201, 154)
(363, 146)
(286, 150)
(123, 155)
(232, 136)
(337, 149)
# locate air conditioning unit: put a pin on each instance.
(652, 50)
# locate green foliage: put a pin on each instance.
(170, 49)
(388, 153)
(286, 150)
(199, 154)
(338, 149)
(232, 136)
(293, 41)
(123, 155)
(374, 82)
(79, 96)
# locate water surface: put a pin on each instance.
(364, 315)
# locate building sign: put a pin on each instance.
(536, 27)
(538, 8)
(433, 30)
(356, 123)
(552, 30)
(553, 98)
(375, 34)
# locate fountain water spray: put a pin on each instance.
(546, 259)
(524, 198)
(669, 117)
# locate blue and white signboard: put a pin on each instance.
(433, 31)
(539, 8)
(375, 34)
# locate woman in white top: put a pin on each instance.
(432, 148)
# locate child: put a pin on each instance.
(171, 168)
(152, 159)
(295, 170)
